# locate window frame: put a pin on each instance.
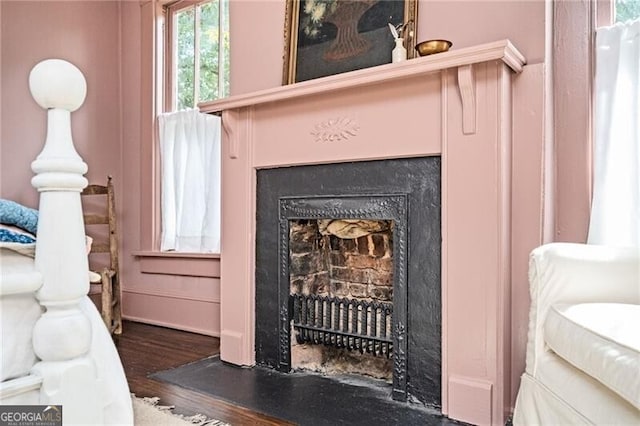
(153, 88)
(170, 11)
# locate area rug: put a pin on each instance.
(147, 412)
(301, 398)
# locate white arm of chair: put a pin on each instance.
(577, 273)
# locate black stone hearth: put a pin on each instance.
(302, 398)
(406, 191)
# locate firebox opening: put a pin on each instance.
(341, 295)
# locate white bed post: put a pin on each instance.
(62, 336)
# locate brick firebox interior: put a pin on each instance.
(359, 268)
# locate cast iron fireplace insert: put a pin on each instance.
(406, 191)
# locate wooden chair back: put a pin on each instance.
(110, 245)
(109, 276)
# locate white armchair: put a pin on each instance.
(583, 351)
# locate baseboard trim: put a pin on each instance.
(170, 296)
(179, 313)
(171, 325)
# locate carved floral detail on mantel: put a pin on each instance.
(335, 129)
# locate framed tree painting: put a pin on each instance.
(326, 37)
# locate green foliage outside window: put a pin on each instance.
(209, 42)
(627, 10)
(185, 58)
(208, 60)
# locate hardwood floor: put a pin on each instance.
(146, 349)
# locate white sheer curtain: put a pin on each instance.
(615, 213)
(190, 154)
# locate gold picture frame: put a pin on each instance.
(327, 37)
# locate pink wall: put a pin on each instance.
(465, 23)
(468, 23)
(86, 34)
(528, 203)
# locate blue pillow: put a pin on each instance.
(12, 213)
(7, 236)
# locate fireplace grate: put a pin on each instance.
(347, 323)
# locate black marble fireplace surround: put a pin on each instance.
(406, 191)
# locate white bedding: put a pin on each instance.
(19, 311)
(18, 314)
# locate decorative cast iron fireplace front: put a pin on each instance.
(403, 191)
(376, 207)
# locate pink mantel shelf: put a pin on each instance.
(500, 50)
(456, 105)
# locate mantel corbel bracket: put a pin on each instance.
(467, 86)
(229, 122)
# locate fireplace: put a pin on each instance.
(401, 193)
(456, 106)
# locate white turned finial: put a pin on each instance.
(59, 87)
(55, 83)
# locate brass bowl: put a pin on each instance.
(430, 47)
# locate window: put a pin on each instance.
(627, 10)
(192, 67)
(197, 53)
